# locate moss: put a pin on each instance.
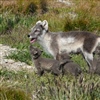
(11, 93)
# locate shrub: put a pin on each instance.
(43, 6)
(11, 93)
(27, 6)
(82, 22)
(19, 6)
(8, 23)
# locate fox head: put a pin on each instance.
(38, 30)
(35, 52)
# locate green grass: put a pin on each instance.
(48, 87)
(15, 24)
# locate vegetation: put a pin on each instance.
(24, 85)
(16, 19)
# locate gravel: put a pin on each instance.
(11, 64)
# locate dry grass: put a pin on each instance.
(88, 6)
(7, 2)
(24, 84)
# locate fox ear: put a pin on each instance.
(36, 23)
(35, 52)
(31, 46)
(45, 24)
(39, 22)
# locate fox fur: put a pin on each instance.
(69, 42)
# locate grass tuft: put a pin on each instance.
(48, 87)
(7, 93)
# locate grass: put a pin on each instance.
(15, 24)
(7, 93)
(48, 87)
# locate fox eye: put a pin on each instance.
(37, 30)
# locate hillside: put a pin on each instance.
(17, 17)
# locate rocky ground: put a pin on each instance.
(9, 63)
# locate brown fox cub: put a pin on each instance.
(45, 64)
(70, 67)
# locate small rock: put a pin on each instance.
(9, 63)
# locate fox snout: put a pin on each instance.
(32, 39)
(28, 35)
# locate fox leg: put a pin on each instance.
(89, 58)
